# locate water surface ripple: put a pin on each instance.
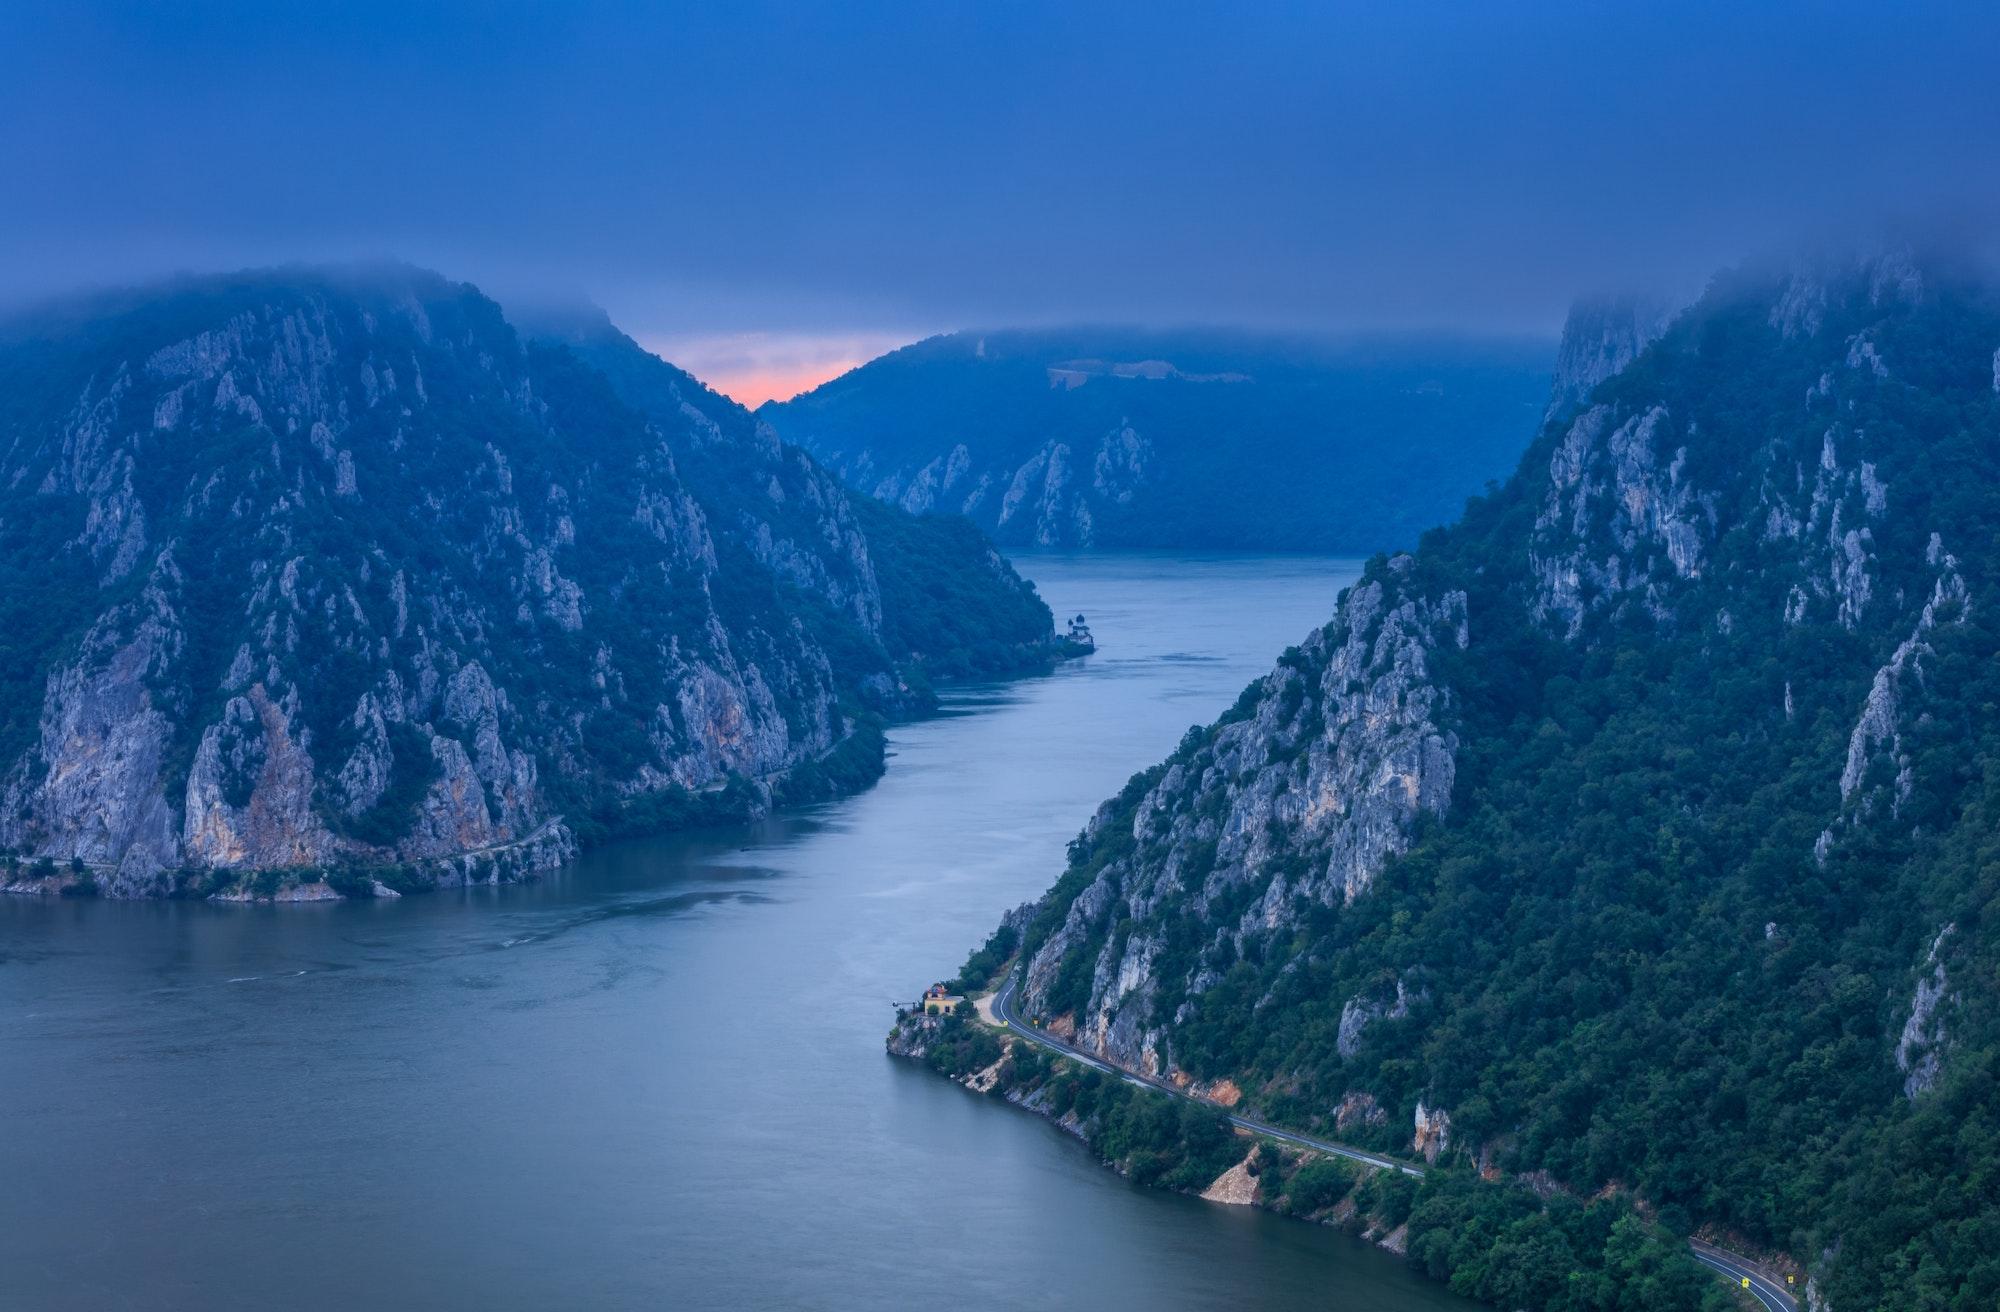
(658, 1080)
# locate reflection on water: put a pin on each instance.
(656, 1080)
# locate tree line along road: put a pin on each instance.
(1767, 1289)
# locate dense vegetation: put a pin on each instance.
(937, 602)
(1253, 443)
(1506, 1246)
(1169, 1142)
(951, 606)
(281, 512)
(1654, 940)
(1498, 1243)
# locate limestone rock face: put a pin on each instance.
(1432, 1135)
(249, 798)
(104, 741)
(1301, 801)
(1110, 438)
(1361, 1011)
(1602, 335)
(1050, 497)
(1632, 512)
(1358, 1111)
(1620, 517)
(1523, 839)
(334, 568)
(1235, 1186)
(1893, 705)
(1921, 1046)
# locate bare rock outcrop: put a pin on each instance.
(1303, 798)
(1363, 1010)
(1432, 1133)
(1601, 336)
(346, 573)
(1620, 518)
(1920, 1048)
(1235, 1186)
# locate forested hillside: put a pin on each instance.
(950, 605)
(328, 579)
(1123, 438)
(1643, 828)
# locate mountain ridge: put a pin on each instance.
(332, 572)
(1652, 793)
(1188, 438)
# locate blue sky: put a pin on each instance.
(861, 173)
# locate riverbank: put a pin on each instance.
(854, 763)
(1189, 1149)
(1512, 1243)
(155, 1057)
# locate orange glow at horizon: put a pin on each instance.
(752, 387)
(754, 367)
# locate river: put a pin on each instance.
(657, 1080)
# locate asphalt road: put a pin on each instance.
(1734, 1267)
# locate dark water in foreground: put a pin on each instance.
(658, 1081)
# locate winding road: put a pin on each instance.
(1769, 1290)
(1736, 1268)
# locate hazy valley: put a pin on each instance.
(1121, 438)
(988, 656)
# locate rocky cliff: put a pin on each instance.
(1634, 828)
(1602, 335)
(1299, 797)
(1123, 438)
(314, 572)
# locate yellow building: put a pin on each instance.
(936, 1000)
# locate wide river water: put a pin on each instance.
(656, 1081)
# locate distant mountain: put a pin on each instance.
(1634, 837)
(331, 577)
(1123, 438)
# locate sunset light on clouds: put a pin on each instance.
(754, 367)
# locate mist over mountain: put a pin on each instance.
(321, 578)
(1634, 833)
(1130, 438)
(1336, 166)
(500, 767)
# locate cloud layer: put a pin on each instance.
(781, 168)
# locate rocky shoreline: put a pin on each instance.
(1509, 1242)
(547, 848)
(853, 764)
(340, 576)
(1259, 1172)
